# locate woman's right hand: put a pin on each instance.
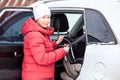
(60, 39)
(66, 48)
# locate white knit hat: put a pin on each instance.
(40, 10)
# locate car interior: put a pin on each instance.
(73, 60)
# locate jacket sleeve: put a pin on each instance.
(54, 44)
(38, 51)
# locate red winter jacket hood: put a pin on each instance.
(35, 27)
(40, 54)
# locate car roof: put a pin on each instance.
(110, 9)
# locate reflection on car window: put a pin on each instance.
(72, 19)
(98, 28)
(11, 25)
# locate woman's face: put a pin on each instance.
(44, 21)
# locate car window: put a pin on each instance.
(97, 28)
(72, 19)
(76, 24)
(11, 25)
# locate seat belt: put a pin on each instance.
(79, 39)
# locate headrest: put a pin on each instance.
(59, 22)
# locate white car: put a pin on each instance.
(99, 21)
(93, 32)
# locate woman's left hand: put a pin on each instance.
(60, 39)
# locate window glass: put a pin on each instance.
(97, 27)
(72, 19)
(11, 25)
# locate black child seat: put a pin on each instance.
(73, 61)
(72, 65)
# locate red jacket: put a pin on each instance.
(39, 52)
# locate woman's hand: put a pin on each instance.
(66, 48)
(60, 39)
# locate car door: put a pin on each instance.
(11, 41)
(101, 60)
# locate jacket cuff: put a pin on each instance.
(54, 44)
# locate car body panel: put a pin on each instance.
(108, 56)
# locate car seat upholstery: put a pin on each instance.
(73, 61)
(72, 70)
(72, 65)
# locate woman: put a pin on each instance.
(40, 54)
